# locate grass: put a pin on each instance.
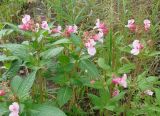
(115, 14)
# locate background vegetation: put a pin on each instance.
(64, 81)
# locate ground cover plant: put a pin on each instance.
(80, 58)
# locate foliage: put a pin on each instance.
(93, 70)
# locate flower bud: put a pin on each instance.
(2, 92)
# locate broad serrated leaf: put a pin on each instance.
(157, 91)
(61, 41)
(13, 70)
(102, 64)
(64, 95)
(51, 52)
(75, 40)
(18, 50)
(46, 110)
(7, 58)
(15, 84)
(89, 67)
(147, 82)
(5, 32)
(3, 108)
(26, 85)
(95, 101)
(126, 68)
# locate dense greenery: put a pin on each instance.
(62, 61)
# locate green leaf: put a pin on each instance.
(126, 68)
(18, 50)
(96, 85)
(102, 64)
(150, 108)
(154, 53)
(59, 79)
(126, 49)
(52, 52)
(104, 95)
(3, 109)
(87, 65)
(46, 110)
(157, 91)
(147, 82)
(61, 41)
(151, 79)
(25, 86)
(5, 32)
(64, 59)
(13, 70)
(118, 97)
(15, 84)
(75, 40)
(110, 107)
(96, 101)
(64, 95)
(7, 58)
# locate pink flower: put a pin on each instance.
(70, 29)
(121, 81)
(90, 43)
(13, 114)
(57, 30)
(98, 37)
(14, 109)
(137, 46)
(26, 19)
(147, 24)
(148, 92)
(44, 25)
(25, 23)
(91, 51)
(2, 92)
(90, 47)
(115, 92)
(25, 27)
(131, 25)
(101, 27)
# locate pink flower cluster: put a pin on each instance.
(70, 29)
(147, 24)
(44, 25)
(101, 27)
(133, 27)
(14, 109)
(122, 81)
(137, 46)
(90, 47)
(91, 42)
(26, 25)
(56, 30)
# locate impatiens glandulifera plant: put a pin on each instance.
(49, 53)
(82, 72)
